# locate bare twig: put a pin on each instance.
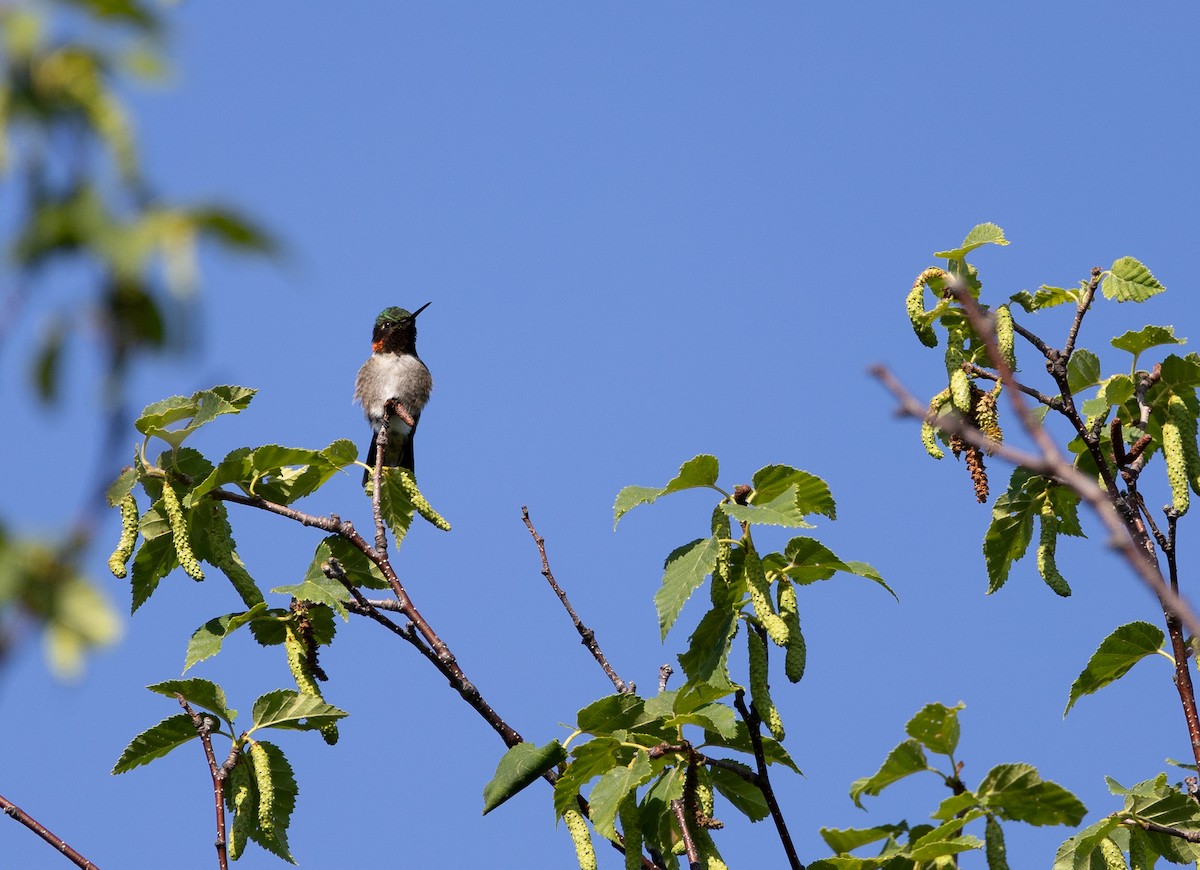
(588, 636)
(203, 727)
(689, 845)
(750, 717)
(1081, 309)
(17, 814)
(1147, 825)
(664, 674)
(1042, 398)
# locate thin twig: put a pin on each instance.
(1147, 825)
(752, 720)
(689, 845)
(17, 814)
(588, 636)
(1081, 309)
(203, 727)
(381, 439)
(980, 372)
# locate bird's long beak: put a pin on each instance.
(413, 316)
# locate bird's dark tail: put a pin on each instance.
(405, 458)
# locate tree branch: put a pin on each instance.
(588, 636)
(752, 720)
(17, 814)
(203, 727)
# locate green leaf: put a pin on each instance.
(1115, 390)
(323, 591)
(155, 559)
(906, 759)
(773, 751)
(707, 658)
(1046, 297)
(806, 560)
(844, 840)
(745, 796)
(202, 407)
(1016, 792)
(812, 493)
(612, 788)
(156, 742)
(207, 639)
(699, 471)
(286, 708)
(361, 570)
(198, 693)
(588, 761)
(684, 571)
(394, 504)
(284, 788)
(714, 717)
(1077, 853)
(982, 234)
(1083, 370)
(1179, 373)
(1129, 281)
(232, 229)
(121, 487)
(521, 765)
(611, 713)
(1009, 534)
(936, 727)
(1116, 654)
(1146, 338)
(783, 510)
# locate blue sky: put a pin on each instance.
(646, 232)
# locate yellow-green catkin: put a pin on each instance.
(987, 417)
(1047, 543)
(760, 597)
(760, 688)
(1006, 337)
(1178, 411)
(631, 831)
(960, 390)
(710, 858)
(409, 484)
(585, 853)
(1114, 859)
(299, 658)
(914, 304)
(928, 433)
(129, 532)
(225, 557)
(179, 535)
(796, 653)
(993, 839)
(242, 801)
(266, 788)
(1176, 457)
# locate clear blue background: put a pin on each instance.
(647, 231)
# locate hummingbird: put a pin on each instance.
(393, 372)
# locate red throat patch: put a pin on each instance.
(376, 346)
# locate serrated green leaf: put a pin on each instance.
(1078, 851)
(954, 805)
(1130, 281)
(285, 790)
(813, 495)
(1146, 338)
(684, 571)
(714, 717)
(1016, 792)
(157, 741)
(1117, 653)
(782, 510)
(745, 796)
(200, 408)
(614, 785)
(1178, 373)
(588, 761)
(806, 560)
(286, 708)
(611, 713)
(361, 570)
(519, 766)
(198, 693)
(155, 559)
(395, 506)
(1083, 370)
(1046, 297)
(206, 641)
(323, 591)
(121, 487)
(698, 471)
(1115, 390)
(707, 658)
(982, 234)
(773, 751)
(1011, 529)
(843, 840)
(906, 759)
(936, 727)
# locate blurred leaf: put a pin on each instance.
(47, 365)
(1117, 653)
(1130, 281)
(685, 570)
(157, 741)
(520, 766)
(123, 11)
(233, 230)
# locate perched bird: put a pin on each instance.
(393, 372)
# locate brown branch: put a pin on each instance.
(1055, 467)
(1179, 647)
(588, 636)
(689, 845)
(980, 372)
(1147, 825)
(752, 720)
(17, 814)
(203, 727)
(1081, 309)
